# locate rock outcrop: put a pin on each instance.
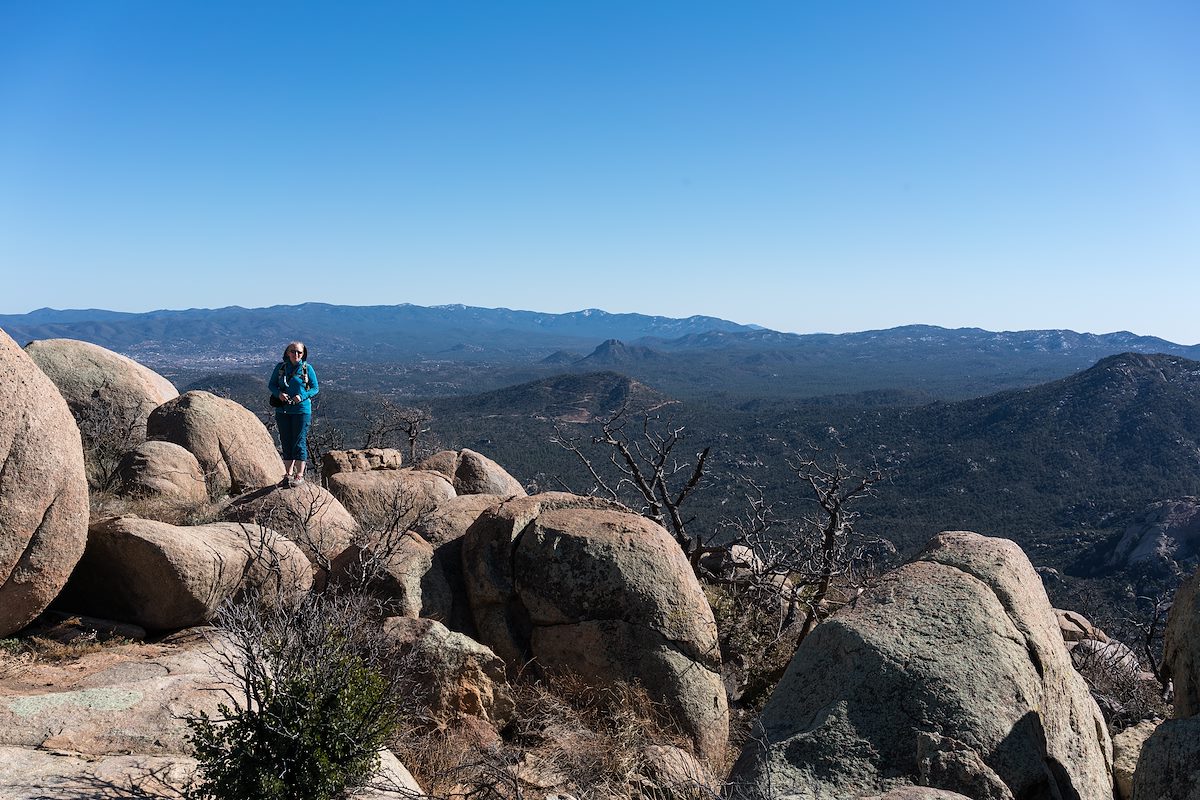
(162, 471)
(336, 461)
(1169, 766)
(109, 724)
(165, 577)
(1076, 628)
(389, 499)
(444, 528)
(233, 447)
(1181, 648)
(1127, 749)
(112, 723)
(586, 587)
(43, 490)
(950, 673)
(455, 675)
(1164, 536)
(472, 473)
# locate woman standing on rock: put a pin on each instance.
(293, 382)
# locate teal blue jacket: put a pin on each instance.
(301, 382)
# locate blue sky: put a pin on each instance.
(807, 166)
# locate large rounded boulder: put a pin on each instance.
(109, 395)
(163, 472)
(165, 577)
(389, 499)
(233, 447)
(584, 586)
(87, 373)
(43, 490)
(472, 473)
(305, 514)
(949, 673)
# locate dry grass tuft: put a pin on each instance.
(567, 737)
(105, 504)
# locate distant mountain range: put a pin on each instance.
(399, 331)
(698, 354)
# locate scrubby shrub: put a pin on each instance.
(310, 706)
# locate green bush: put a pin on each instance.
(311, 709)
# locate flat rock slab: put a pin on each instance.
(29, 774)
(119, 700)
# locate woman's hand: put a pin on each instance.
(284, 397)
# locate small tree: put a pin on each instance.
(386, 423)
(651, 475)
(309, 708)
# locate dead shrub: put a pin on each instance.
(567, 737)
(1124, 691)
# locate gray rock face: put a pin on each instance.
(162, 471)
(233, 447)
(43, 490)
(473, 473)
(125, 699)
(952, 673)
(111, 724)
(1181, 648)
(1169, 765)
(389, 499)
(585, 586)
(444, 528)
(31, 774)
(1167, 534)
(164, 577)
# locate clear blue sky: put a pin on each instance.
(808, 166)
